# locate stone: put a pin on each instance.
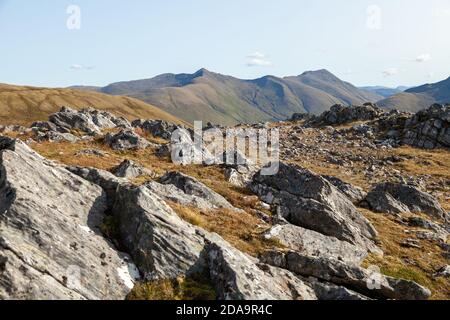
(126, 140)
(363, 281)
(157, 128)
(237, 276)
(316, 244)
(50, 241)
(443, 272)
(307, 200)
(398, 198)
(355, 194)
(130, 170)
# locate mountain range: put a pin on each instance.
(385, 91)
(209, 96)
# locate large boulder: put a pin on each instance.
(157, 128)
(126, 140)
(129, 169)
(237, 276)
(316, 244)
(361, 280)
(307, 200)
(397, 198)
(88, 120)
(339, 114)
(162, 245)
(194, 188)
(50, 243)
(355, 194)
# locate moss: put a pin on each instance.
(195, 287)
(405, 273)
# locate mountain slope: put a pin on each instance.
(384, 91)
(24, 105)
(418, 98)
(218, 98)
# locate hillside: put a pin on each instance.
(24, 105)
(218, 98)
(386, 92)
(419, 98)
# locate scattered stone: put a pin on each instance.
(126, 140)
(130, 170)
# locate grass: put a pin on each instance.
(195, 287)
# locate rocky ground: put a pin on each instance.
(92, 207)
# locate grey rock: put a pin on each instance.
(443, 272)
(329, 291)
(55, 136)
(361, 280)
(316, 244)
(50, 242)
(129, 169)
(355, 194)
(339, 114)
(162, 245)
(309, 201)
(193, 187)
(157, 128)
(126, 140)
(237, 276)
(397, 198)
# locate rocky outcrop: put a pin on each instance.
(398, 198)
(157, 128)
(309, 201)
(195, 190)
(130, 170)
(89, 120)
(126, 140)
(361, 280)
(316, 244)
(339, 114)
(237, 276)
(162, 245)
(50, 243)
(355, 194)
(239, 170)
(429, 128)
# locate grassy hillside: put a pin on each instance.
(24, 105)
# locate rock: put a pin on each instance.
(130, 170)
(309, 201)
(91, 152)
(398, 198)
(55, 136)
(355, 194)
(361, 280)
(316, 244)
(239, 170)
(126, 140)
(329, 291)
(162, 245)
(193, 187)
(443, 272)
(106, 180)
(157, 128)
(237, 276)
(50, 242)
(300, 116)
(89, 120)
(339, 114)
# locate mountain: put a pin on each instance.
(24, 105)
(209, 96)
(418, 98)
(385, 91)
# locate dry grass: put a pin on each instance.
(408, 263)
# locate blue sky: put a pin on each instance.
(377, 42)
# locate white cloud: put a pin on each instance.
(390, 72)
(258, 59)
(80, 67)
(423, 58)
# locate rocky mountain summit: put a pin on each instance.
(91, 208)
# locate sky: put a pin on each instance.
(97, 42)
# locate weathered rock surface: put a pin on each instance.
(355, 278)
(339, 114)
(355, 194)
(316, 244)
(237, 276)
(309, 201)
(50, 244)
(126, 140)
(192, 187)
(129, 169)
(398, 198)
(89, 120)
(162, 245)
(157, 128)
